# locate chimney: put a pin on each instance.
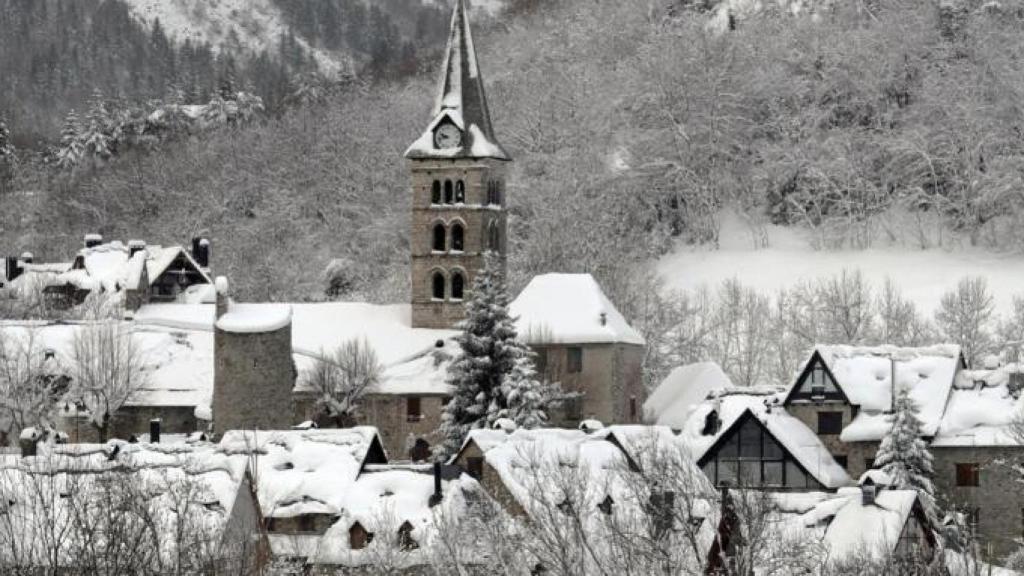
(221, 284)
(93, 240)
(27, 258)
(13, 268)
(868, 490)
(435, 498)
(135, 246)
(154, 431)
(201, 252)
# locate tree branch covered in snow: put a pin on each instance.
(341, 379)
(106, 369)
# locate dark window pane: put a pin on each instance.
(458, 285)
(750, 440)
(772, 450)
(773, 473)
(795, 477)
(575, 359)
(438, 286)
(830, 423)
(458, 238)
(727, 472)
(750, 473)
(460, 192)
(448, 192)
(439, 238)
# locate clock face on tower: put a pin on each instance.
(447, 136)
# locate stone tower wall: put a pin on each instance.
(253, 379)
(475, 214)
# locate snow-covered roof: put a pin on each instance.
(382, 501)
(864, 374)
(764, 404)
(255, 318)
(413, 363)
(569, 309)
(110, 268)
(681, 391)
(29, 488)
(461, 100)
(303, 471)
(982, 410)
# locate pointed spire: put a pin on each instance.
(461, 100)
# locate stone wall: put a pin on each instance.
(489, 480)
(858, 454)
(999, 497)
(609, 379)
(253, 379)
(474, 214)
(388, 413)
(131, 420)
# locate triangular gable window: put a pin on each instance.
(816, 384)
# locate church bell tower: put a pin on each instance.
(458, 188)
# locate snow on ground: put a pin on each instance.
(249, 25)
(923, 275)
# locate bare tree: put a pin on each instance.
(29, 387)
(965, 316)
(107, 368)
(342, 377)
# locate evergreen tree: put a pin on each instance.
(903, 455)
(69, 154)
(492, 363)
(526, 397)
(7, 156)
(96, 139)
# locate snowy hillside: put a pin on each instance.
(923, 275)
(237, 25)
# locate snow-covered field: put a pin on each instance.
(923, 275)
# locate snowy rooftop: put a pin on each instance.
(255, 318)
(461, 101)
(865, 376)
(303, 471)
(569, 308)
(982, 410)
(682, 391)
(765, 405)
(382, 501)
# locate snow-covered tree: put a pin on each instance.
(527, 397)
(341, 378)
(491, 362)
(28, 386)
(107, 370)
(96, 138)
(70, 152)
(903, 454)
(965, 317)
(6, 146)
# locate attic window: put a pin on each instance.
(358, 537)
(405, 539)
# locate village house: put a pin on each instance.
(839, 408)
(138, 273)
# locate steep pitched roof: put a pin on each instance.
(682, 390)
(460, 100)
(569, 309)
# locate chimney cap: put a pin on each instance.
(27, 256)
(136, 243)
(506, 425)
(93, 236)
(591, 425)
(221, 283)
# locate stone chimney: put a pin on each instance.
(135, 246)
(223, 295)
(201, 251)
(868, 491)
(93, 240)
(437, 496)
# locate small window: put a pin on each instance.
(968, 474)
(830, 423)
(307, 523)
(841, 460)
(413, 409)
(632, 408)
(435, 193)
(438, 286)
(460, 192)
(358, 537)
(439, 238)
(575, 359)
(573, 408)
(448, 192)
(869, 463)
(458, 286)
(493, 237)
(540, 361)
(458, 238)
(475, 466)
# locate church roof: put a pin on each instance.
(460, 100)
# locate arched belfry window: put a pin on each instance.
(437, 288)
(439, 237)
(493, 237)
(435, 193)
(447, 191)
(458, 237)
(460, 192)
(458, 285)
(494, 192)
